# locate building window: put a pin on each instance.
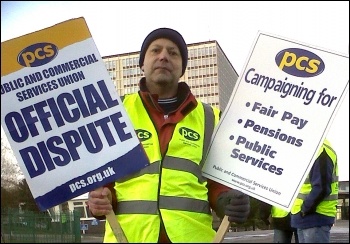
(81, 208)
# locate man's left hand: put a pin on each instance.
(236, 205)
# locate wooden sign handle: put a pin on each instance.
(116, 228)
(225, 224)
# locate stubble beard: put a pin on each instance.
(163, 80)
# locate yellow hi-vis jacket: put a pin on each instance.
(278, 212)
(328, 206)
(171, 189)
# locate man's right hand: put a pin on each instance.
(99, 201)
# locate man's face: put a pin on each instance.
(163, 63)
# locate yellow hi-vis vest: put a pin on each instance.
(171, 189)
(328, 206)
(278, 212)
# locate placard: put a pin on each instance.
(278, 116)
(61, 113)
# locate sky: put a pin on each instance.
(120, 27)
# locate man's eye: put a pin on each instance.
(173, 53)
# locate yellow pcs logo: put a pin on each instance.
(299, 62)
(37, 54)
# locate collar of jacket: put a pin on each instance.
(185, 99)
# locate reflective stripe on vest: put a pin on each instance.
(328, 206)
(161, 195)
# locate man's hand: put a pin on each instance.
(99, 201)
(235, 205)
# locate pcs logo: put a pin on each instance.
(37, 54)
(189, 134)
(299, 62)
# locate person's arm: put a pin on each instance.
(214, 190)
(264, 212)
(321, 180)
(226, 201)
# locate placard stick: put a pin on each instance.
(222, 230)
(116, 228)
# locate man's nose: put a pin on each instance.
(164, 55)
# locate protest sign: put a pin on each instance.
(61, 113)
(278, 116)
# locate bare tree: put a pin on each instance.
(10, 171)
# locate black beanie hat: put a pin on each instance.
(170, 34)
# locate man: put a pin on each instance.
(170, 200)
(315, 208)
(280, 221)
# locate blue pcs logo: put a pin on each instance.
(37, 54)
(299, 62)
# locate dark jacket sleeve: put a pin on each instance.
(321, 180)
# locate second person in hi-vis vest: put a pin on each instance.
(315, 208)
